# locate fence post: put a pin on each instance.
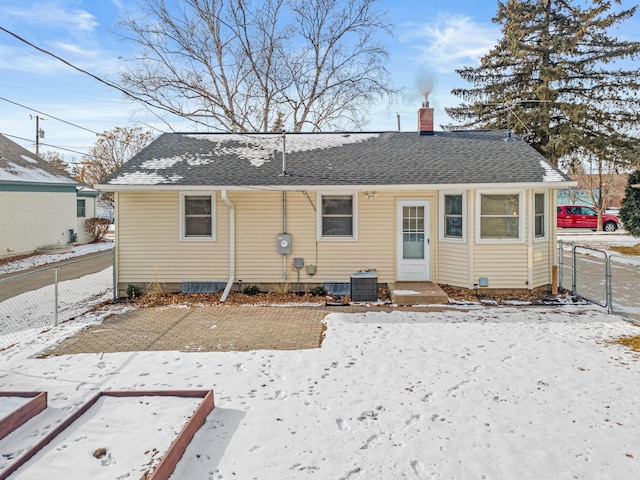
(574, 280)
(55, 296)
(609, 286)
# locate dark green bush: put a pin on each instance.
(251, 290)
(133, 291)
(318, 291)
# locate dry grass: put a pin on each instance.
(632, 342)
(627, 250)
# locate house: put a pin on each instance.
(86, 207)
(473, 209)
(614, 185)
(38, 202)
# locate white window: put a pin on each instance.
(197, 211)
(540, 217)
(452, 214)
(337, 217)
(500, 216)
(81, 208)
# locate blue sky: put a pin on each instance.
(432, 39)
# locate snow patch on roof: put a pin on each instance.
(144, 178)
(18, 173)
(28, 159)
(260, 148)
(550, 173)
(160, 163)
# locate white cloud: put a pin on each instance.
(53, 15)
(450, 42)
(75, 49)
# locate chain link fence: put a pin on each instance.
(608, 280)
(37, 300)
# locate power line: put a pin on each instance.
(105, 82)
(49, 116)
(55, 146)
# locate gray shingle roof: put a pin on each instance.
(17, 164)
(330, 159)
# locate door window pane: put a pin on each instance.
(413, 232)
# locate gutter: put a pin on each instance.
(232, 246)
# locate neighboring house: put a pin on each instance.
(587, 189)
(38, 202)
(86, 207)
(468, 209)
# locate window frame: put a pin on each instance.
(545, 216)
(354, 217)
(183, 217)
(84, 207)
(443, 217)
(521, 217)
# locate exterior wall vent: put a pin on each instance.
(202, 287)
(339, 289)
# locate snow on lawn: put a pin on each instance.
(493, 393)
(26, 315)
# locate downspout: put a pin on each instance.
(232, 246)
(284, 200)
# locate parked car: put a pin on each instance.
(585, 217)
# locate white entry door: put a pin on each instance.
(412, 239)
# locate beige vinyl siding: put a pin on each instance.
(541, 264)
(259, 221)
(505, 264)
(149, 246)
(453, 263)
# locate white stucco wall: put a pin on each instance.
(30, 220)
(90, 204)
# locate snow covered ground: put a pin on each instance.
(489, 393)
(44, 259)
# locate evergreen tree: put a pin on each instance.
(558, 79)
(630, 211)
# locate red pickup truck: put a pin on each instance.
(585, 217)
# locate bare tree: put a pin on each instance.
(247, 66)
(57, 161)
(112, 149)
(598, 179)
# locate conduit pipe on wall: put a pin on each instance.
(232, 246)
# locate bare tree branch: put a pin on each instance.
(246, 66)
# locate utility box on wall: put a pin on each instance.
(284, 244)
(364, 287)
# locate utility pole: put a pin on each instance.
(39, 134)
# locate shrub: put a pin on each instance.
(97, 228)
(318, 291)
(251, 290)
(630, 211)
(133, 291)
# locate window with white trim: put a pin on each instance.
(198, 216)
(500, 216)
(337, 216)
(539, 215)
(453, 216)
(81, 208)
